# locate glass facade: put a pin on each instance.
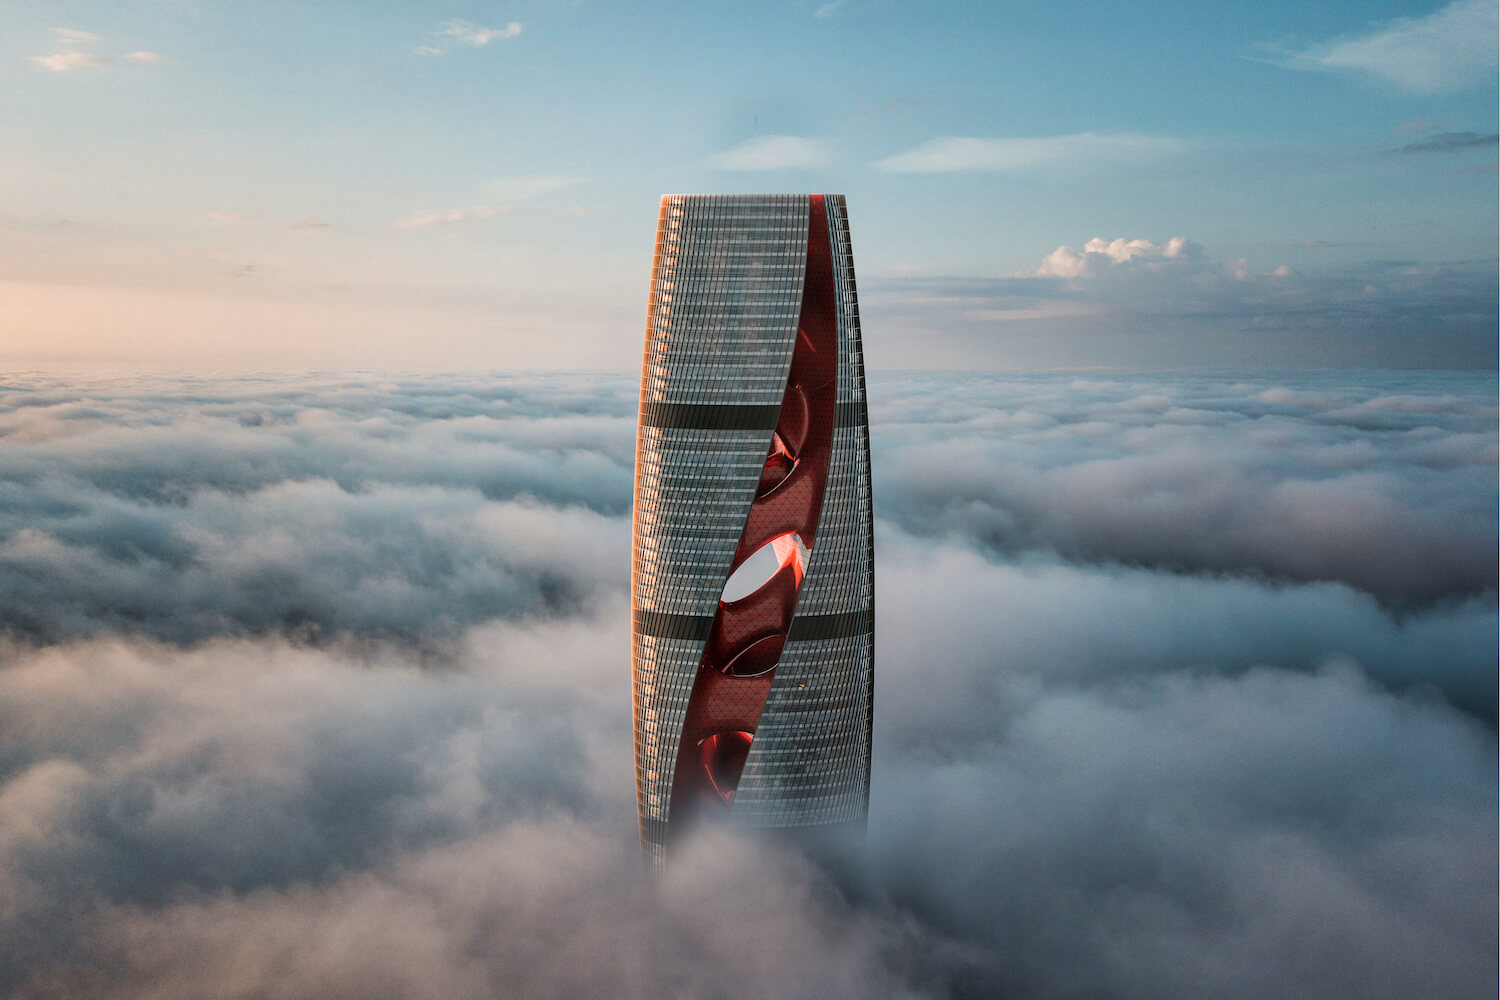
(752, 449)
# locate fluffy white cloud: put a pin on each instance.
(774, 152)
(952, 155)
(1450, 49)
(1099, 253)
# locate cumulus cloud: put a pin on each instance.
(774, 152)
(325, 692)
(1100, 253)
(426, 220)
(1450, 49)
(952, 155)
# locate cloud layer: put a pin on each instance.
(1117, 299)
(324, 692)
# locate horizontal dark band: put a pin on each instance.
(712, 416)
(736, 416)
(668, 626)
(841, 626)
(805, 628)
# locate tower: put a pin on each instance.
(752, 589)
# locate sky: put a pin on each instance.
(317, 687)
(199, 186)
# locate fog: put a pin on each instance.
(320, 687)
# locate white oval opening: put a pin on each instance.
(764, 563)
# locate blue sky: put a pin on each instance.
(456, 185)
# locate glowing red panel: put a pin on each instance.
(746, 640)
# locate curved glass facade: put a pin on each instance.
(754, 705)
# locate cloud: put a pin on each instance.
(262, 513)
(426, 220)
(62, 62)
(469, 33)
(74, 55)
(308, 224)
(521, 187)
(828, 9)
(1133, 301)
(427, 50)
(72, 38)
(1099, 254)
(774, 152)
(1453, 142)
(958, 154)
(1167, 474)
(319, 687)
(1450, 49)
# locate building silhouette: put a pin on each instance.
(753, 576)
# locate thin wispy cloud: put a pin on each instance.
(828, 9)
(74, 46)
(459, 32)
(960, 154)
(523, 186)
(73, 37)
(308, 224)
(476, 35)
(773, 152)
(62, 62)
(1453, 142)
(426, 220)
(1450, 49)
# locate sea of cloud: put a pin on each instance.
(319, 687)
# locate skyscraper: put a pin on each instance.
(753, 574)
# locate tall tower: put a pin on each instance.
(752, 591)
